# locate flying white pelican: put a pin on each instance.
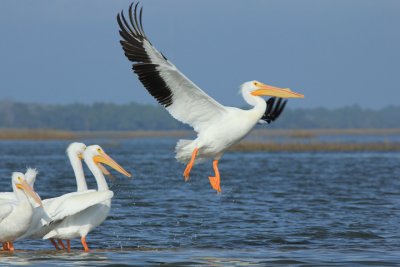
(218, 127)
(82, 212)
(16, 214)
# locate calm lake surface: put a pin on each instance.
(276, 209)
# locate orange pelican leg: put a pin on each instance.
(69, 245)
(215, 180)
(54, 244)
(11, 246)
(5, 246)
(85, 246)
(190, 165)
(61, 243)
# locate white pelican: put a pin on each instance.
(30, 177)
(81, 213)
(16, 214)
(44, 219)
(36, 229)
(218, 127)
(75, 155)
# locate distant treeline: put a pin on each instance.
(133, 116)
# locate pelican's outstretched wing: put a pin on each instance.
(184, 100)
(58, 208)
(75, 202)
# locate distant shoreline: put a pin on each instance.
(105, 116)
(246, 145)
(317, 147)
(51, 134)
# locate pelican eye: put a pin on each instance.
(99, 150)
(255, 83)
(19, 178)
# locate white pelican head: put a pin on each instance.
(30, 176)
(257, 88)
(19, 183)
(97, 154)
(76, 149)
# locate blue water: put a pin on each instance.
(276, 209)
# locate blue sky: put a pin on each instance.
(335, 52)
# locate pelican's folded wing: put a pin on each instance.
(51, 204)
(39, 223)
(6, 208)
(184, 100)
(77, 203)
(7, 196)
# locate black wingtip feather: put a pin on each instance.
(273, 110)
(133, 38)
(150, 78)
(141, 23)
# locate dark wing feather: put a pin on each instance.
(132, 43)
(184, 100)
(273, 110)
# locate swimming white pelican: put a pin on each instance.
(82, 212)
(218, 127)
(16, 214)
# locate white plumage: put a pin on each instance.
(52, 206)
(16, 213)
(75, 214)
(79, 213)
(30, 178)
(218, 127)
